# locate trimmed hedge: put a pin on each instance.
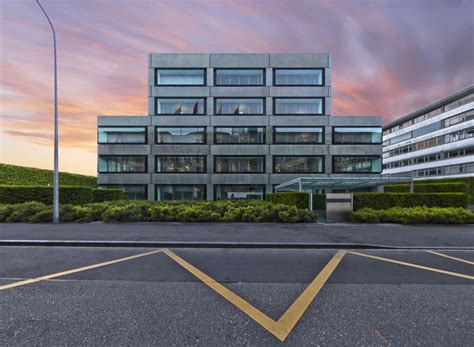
(384, 201)
(67, 195)
(414, 215)
(456, 187)
(100, 194)
(149, 211)
(298, 199)
(13, 175)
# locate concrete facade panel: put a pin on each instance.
(128, 178)
(179, 178)
(239, 149)
(123, 149)
(356, 121)
(179, 60)
(299, 92)
(355, 150)
(299, 60)
(184, 92)
(239, 60)
(291, 120)
(239, 120)
(239, 179)
(123, 120)
(236, 92)
(295, 150)
(180, 120)
(192, 149)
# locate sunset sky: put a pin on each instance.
(388, 58)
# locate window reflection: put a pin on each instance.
(291, 164)
(239, 77)
(181, 106)
(180, 192)
(239, 106)
(353, 164)
(170, 77)
(235, 135)
(229, 164)
(298, 135)
(180, 164)
(311, 106)
(298, 77)
(355, 135)
(180, 135)
(129, 164)
(239, 192)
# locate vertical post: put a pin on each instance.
(56, 152)
(300, 185)
(310, 201)
(412, 186)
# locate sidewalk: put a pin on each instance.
(242, 234)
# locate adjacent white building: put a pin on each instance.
(436, 141)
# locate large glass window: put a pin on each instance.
(354, 164)
(125, 164)
(239, 192)
(237, 135)
(297, 106)
(231, 164)
(132, 191)
(298, 164)
(117, 135)
(463, 117)
(180, 77)
(183, 135)
(296, 135)
(194, 106)
(239, 106)
(298, 77)
(168, 192)
(239, 77)
(180, 164)
(356, 135)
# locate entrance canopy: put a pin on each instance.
(334, 182)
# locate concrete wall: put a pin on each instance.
(211, 61)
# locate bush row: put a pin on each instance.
(298, 199)
(28, 176)
(148, 211)
(384, 201)
(414, 215)
(67, 195)
(454, 187)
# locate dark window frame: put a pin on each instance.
(180, 143)
(264, 82)
(264, 195)
(239, 173)
(264, 108)
(323, 77)
(298, 144)
(323, 106)
(181, 115)
(355, 143)
(111, 186)
(241, 143)
(180, 185)
(123, 155)
(323, 169)
(358, 156)
(179, 85)
(123, 143)
(179, 173)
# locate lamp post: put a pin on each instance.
(56, 159)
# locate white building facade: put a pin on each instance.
(434, 142)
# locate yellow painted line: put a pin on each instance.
(286, 323)
(85, 268)
(289, 319)
(452, 258)
(414, 265)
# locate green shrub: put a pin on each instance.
(67, 195)
(414, 215)
(382, 201)
(23, 212)
(13, 175)
(5, 212)
(100, 194)
(124, 213)
(456, 187)
(297, 199)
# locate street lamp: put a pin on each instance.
(56, 159)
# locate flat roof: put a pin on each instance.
(306, 183)
(434, 105)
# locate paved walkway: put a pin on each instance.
(272, 234)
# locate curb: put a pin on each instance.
(249, 245)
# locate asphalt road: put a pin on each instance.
(226, 297)
(378, 234)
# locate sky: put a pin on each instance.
(389, 57)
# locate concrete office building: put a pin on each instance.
(232, 126)
(436, 141)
